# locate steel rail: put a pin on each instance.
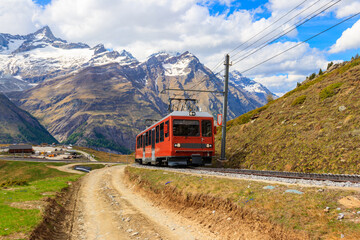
(293, 175)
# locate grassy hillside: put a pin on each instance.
(313, 128)
(107, 157)
(24, 188)
(17, 125)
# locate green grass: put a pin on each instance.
(17, 220)
(39, 179)
(303, 212)
(330, 90)
(299, 100)
(28, 171)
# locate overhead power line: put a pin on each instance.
(276, 55)
(277, 37)
(287, 13)
(272, 25)
(299, 13)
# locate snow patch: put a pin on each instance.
(178, 68)
(13, 45)
(255, 88)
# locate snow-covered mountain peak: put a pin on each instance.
(126, 54)
(45, 34)
(163, 54)
(247, 84)
(99, 49)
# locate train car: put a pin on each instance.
(179, 139)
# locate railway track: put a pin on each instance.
(292, 175)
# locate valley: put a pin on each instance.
(94, 97)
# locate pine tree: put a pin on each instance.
(329, 65)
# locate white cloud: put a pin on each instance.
(350, 39)
(347, 8)
(147, 26)
(18, 16)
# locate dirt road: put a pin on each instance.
(107, 209)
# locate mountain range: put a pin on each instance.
(99, 98)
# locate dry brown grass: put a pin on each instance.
(314, 136)
(300, 213)
(108, 157)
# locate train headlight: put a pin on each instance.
(192, 113)
(177, 145)
(209, 145)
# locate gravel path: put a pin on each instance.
(108, 209)
(308, 183)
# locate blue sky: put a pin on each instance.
(207, 28)
(316, 25)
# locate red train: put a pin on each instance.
(179, 139)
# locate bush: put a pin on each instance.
(312, 76)
(14, 182)
(329, 65)
(330, 90)
(299, 100)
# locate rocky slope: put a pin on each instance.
(99, 98)
(18, 126)
(105, 106)
(314, 128)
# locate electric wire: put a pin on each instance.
(219, 64)
(272, 39)
(299, 13)
(277, 37)
(273, 24)
(276, 55)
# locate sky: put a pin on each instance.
(207, 28)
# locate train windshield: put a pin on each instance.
(186, 128)
(206, 128)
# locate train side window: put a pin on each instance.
(206, 128)
(161, 132)
(157, 133)
(167, 133)
(147, 139)
(138, 143)
(150, 137)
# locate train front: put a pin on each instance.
(192, 138)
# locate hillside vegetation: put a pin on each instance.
(17, 125)
(313, 128)
(25, 190)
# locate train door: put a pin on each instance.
(153, 146)
(143, 145)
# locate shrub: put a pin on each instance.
(330, 90)
(320, 72)
(312, 76)
(329, 65)
(299, 100)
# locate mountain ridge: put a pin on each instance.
(79, 94)
(17, 125)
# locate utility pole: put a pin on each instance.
(226, 86)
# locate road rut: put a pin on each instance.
(107, 209)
